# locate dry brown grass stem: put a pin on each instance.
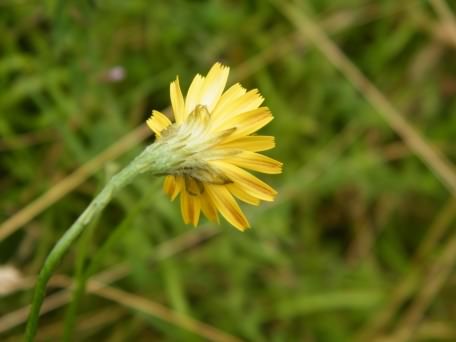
(88, 324)
(157, 310)
(69, 183)
(109, 276)
(437, 163)
(436, 276)
(134, 302)
(447, 18)
(408, 285)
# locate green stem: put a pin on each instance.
(84, 273)
(156, 159)
(79, 287)
(53, 259)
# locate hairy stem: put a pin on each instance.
(84, 273)
(155, 159)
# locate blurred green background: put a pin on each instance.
(360, 243)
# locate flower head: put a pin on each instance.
(213, 131)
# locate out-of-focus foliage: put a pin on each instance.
(355, 204)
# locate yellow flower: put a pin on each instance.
(213, 130)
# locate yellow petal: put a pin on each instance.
(237, 191)
(194, 94)
(213, 85)
(208, 208)
(247, 102)
(180, 185)
(169, 185)
(158, 122)
(172, 186)
(233, 93)
(253, 143)
(246, 123)
(248, 182)
(256, 162)
(177, 101)
(190, 208)
(227, 206)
